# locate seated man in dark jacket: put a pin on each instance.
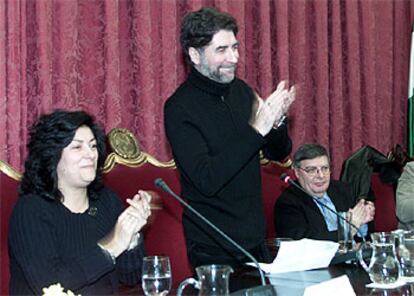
(297, 215)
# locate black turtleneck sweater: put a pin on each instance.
(49, 244)
(217, 154)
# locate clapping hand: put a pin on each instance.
(267, 114)
(363, 212)
(369, 211)
(128, 225)
(139, 208)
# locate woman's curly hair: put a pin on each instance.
(48, 137)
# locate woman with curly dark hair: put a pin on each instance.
(66, 227)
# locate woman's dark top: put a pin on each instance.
(49, 244)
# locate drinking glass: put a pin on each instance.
(344, 232)
(156, 275)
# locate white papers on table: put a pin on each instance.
(294, 283)
(339, 286)
(304, 254)
(317, 282)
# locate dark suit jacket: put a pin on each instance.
(297, 216)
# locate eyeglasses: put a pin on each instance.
(313, 171)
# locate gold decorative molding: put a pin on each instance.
(286, 164)
(113, 159)
(126, 151)
(9, 171)
(124, 143)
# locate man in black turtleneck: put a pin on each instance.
(216, 126)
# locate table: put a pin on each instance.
(294, 283)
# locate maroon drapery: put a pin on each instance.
(120, 60)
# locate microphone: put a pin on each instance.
(288, 180)
(162, 185)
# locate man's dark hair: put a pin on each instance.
(48, 136)
(199, 27)
(308, 151)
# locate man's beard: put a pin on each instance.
(215, 74)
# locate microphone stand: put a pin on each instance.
(261, 290)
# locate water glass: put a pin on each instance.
(344, 233)
(156, 275)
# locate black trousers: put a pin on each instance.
(200, 254)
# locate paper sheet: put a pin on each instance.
(339, 286)
(304, 254)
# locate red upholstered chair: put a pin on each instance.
(9, 182)
(128, 169)
(385, 215)
(272, 188)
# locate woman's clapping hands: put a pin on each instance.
(126, 231)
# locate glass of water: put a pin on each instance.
(344, 232)
(156, 275)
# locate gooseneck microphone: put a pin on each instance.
(162, 185)
(288, 180)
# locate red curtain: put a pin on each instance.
(120, 60)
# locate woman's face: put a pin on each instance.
(78, 162)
